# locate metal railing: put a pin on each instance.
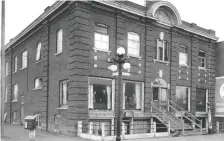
(219, 127)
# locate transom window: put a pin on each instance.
(15, 64)
(63, 92)
(59, 41)
(6, 68)
(183, 56)
(15, 92)
(133, 95)
(183, 97)
(201, 56)
(24, 59)
(38, 83)
(38, 55)
(161, 50)
(100, 94)
(101, 37)
(133, 44)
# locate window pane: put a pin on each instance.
(155, 92)
(182, 58)
(63, 92)
(130, 96)
(38, 56)
(130, 36)
(15, 92)
(100, 96)
(98, 44)
(59, 41)
(105, 46)
(136, 38)
(15, 64)
(97, 37)
(24, 59)
(201, 100)
(166, 51)
(105, 38)
(161, 53)
(182, 97)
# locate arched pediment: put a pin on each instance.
(165, 12)
(159, 82)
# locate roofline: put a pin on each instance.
(120, 6)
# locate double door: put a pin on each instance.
(160, 96)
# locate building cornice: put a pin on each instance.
(113, 4)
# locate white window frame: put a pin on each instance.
(90, 96)
(15, 64)
(24, 59)
(102, 35)
(63, 97)
(38, 120)
(200, 67)
(206, 100)
(163, 49)
(184, 54)
(38, 54)
(189, 97)
(15, 93)
(142, 95)
(6, 94)
(6, 68)
(15, 117)
(59, 42)
(36, 87)
(134, 41)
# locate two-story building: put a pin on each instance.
(58, 67)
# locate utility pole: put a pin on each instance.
(2, 61)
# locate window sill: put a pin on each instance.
(38, 61)
(14, 101)
(133, 56)
(58, 53)
(63, 107)
(102, 110)
(14, 72)
(182, 65)
(200, 68)
(23, 68)
(35, 89)
(165, 62)
(101, 50)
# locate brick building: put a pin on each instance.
(58, 67)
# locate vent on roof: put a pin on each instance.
(47, 8)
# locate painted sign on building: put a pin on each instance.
(219, 97)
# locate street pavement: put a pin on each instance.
(18, 133)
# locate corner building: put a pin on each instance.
(58, 67)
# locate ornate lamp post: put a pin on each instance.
(119, 62)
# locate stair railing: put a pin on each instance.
(186, 115)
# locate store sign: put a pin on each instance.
(219, 97)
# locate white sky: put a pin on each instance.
(205, 13)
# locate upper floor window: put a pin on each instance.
(15, 92)
(101, 38)
(183, 56)
(6, 68)
(38, 55)
(100, 94)
(161, 50)
(133, 95)
(59, 41)
(63, 87)
(15, 64)
(201, 56)
(133, 44)
(6, 94)
(37, 83)
(24, 59)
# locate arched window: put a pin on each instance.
(38, 55)
(59, 41)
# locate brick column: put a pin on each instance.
(45, 76)
(79, 63)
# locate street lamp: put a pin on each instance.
(119, 62)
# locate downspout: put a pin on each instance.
(10, 114)
(48, 73)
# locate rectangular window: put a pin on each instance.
(160, 94)
(183, 97)
(24, 59)
(155, 92)
(101, 38)
(14, 117)
(38, 55)
(6, 68)
(97, 126)
(132, 95)
(6, 94)
(133, 44)
(141, 126)
(15, 92)
(100, 94)
(63, 92)
(38, 120)
(201, 100)
(59, 41)
(162, 50)
(37, 83)
(201, 56)
(15, 64)
(183, 56)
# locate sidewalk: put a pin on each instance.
(18, 133)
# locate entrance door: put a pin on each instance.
(160, 95)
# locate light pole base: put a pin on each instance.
(118, 138)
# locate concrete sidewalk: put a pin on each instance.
(18, 133)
